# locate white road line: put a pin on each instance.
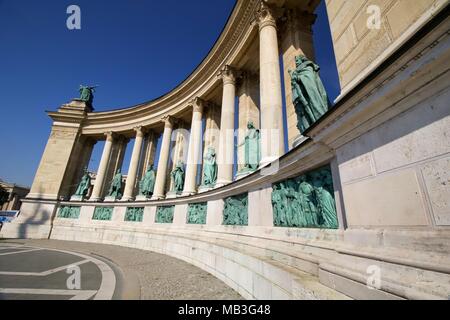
(108, 284)
(77, 294)
(44, 273)
(21, 251)
(10, 247)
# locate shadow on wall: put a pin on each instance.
(409, 135)
(40, 216)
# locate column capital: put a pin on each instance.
(228, 75)
(197, 104)
(265, 15)
(140, 131)
(169, 121)
(110, 136)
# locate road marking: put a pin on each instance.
(107, 286)
(21, 251)
(77, 294)
(44, 273)
(10, 247)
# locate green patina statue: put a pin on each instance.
(115, 190)
(84, 185)
(235, 212)
(165, 214)
(68, 212)
(147, 184)
(197, 213)
(210, 168)
(306, 201)
(308, 93)
(178, 177)
(134, 214)
(103, 213)
(252, 148)
(87, 93)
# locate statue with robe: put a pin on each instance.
(147, 184)
(84, 185)
(252, 148)
(325, 203)
(87, 93)
(115, 190)
(210, 168)
(178, 177)
(308, 93)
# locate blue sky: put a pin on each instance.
(135, 50)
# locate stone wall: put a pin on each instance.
(359, 49)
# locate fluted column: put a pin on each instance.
(134, 165)
(195, 144)
(163, 159)
(226, 144)
(272, 132)
(101, 173)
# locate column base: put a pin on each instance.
(95, 199)
(127, 199)
(143, 198)
(188, 193)
(77, 198)
(298, 141)
(243, 174)
(156, 198)
(111, 199)
(204, 189)
(173, 195)
(222, 183)
(267, 161)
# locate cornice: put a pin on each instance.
(196, 85)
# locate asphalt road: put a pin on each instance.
(60, 270)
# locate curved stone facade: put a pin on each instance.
(357, 209)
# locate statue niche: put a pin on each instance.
(210, 168)
(178, 178)
(147, 184)
(252, 147)
(115, 190)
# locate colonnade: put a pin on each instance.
(271, 125)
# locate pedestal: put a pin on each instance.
(173, 195)
(111, 199)
(76, 198)
(244, 173)
(143, 198)
(298, 141)
(203, 189)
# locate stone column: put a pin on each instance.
(195, 145)
(163, 159)
(134, 165)
(272, 134)
(226, 144)
(101, 173)
(296, 38)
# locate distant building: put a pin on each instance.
(16, 194)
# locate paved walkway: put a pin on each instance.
(48, 269)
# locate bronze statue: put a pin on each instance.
(308, 93)
(84, 185)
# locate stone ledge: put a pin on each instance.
(275, 261)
